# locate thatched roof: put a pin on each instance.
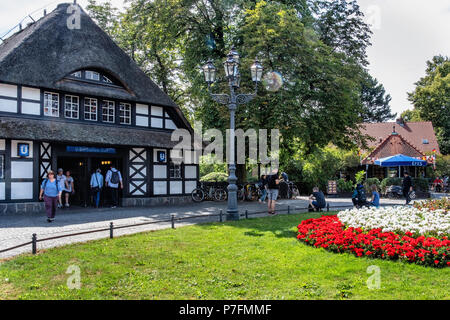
(79, 132)
(47, 51)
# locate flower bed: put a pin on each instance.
(330, 233)
(435, 204)
(399, 219)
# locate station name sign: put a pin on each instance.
(90, 149)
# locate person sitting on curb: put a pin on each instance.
(375, 201)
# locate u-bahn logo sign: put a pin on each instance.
(23, 149)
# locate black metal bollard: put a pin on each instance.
(220, 215)
(328, 207)
(246, 214)
(111, 230)
(34, 243)
(173, 221)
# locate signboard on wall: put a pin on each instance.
(23, 149)
(332, 187)
(161, 156)
(90, 149)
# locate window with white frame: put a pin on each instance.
(125, 113)
(106, 79)
(90, 109)
(108, 111)
(174, 170)
(71, 107)
(76, 74)
(92, 75)
(51, 104)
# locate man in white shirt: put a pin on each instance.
(113, 180)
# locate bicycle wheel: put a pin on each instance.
(220, 195)
(251, 193)
(198, 195)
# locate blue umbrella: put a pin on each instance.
(400, 160)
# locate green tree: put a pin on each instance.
(375, 101)
(412, 115)
(431, 98)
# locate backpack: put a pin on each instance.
(57, 184)
(361, 193)
(115, 179)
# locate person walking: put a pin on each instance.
(68, 188)
(96, 186)
(407, 186)
(113, 180)
(51, 193)
(273, 182)
(263, 187)
(61, 178)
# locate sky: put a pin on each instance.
(406, 33)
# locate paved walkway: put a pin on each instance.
(15, 230)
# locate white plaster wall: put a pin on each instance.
(160, 171)
(189, 186)
(157, 111)
(170, 124)
(21, 169)
(176, 187)
(2, 144)
(190, 172)
(141, 108)
(31, 93)
(2, 191)
(21, 190)
(31, 108)
(8, 105)
(156, 123)
(159, 187)
(8, 90)
(142, 121)
(14, 147)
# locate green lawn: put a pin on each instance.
(249, 259)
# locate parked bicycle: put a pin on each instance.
(209, 192)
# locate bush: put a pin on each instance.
(369, 182)
(344, 186)
(215, 177)
(390, 182)
(420, 184)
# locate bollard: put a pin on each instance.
(111, 230)
(246, 214)
(328, 207)
(33, 243)
(289, 209)
(173, 221)
(220, 215)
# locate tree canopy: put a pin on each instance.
(318, 46)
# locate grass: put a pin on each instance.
(248, 259)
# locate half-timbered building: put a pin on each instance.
(71, 98)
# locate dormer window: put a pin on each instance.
(92, 75)
(425, 141)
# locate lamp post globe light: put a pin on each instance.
(233, 76)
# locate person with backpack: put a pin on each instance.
(96, 186)
(407, 187)
(113, 180)
(273, 182)
(359, 196)
(51, 194)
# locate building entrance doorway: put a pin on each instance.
(81, 169)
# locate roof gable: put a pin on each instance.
(44, 53)
(413, 132)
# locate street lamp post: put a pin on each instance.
(231, 66)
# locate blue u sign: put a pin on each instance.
(23, 149)
(161, 156)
